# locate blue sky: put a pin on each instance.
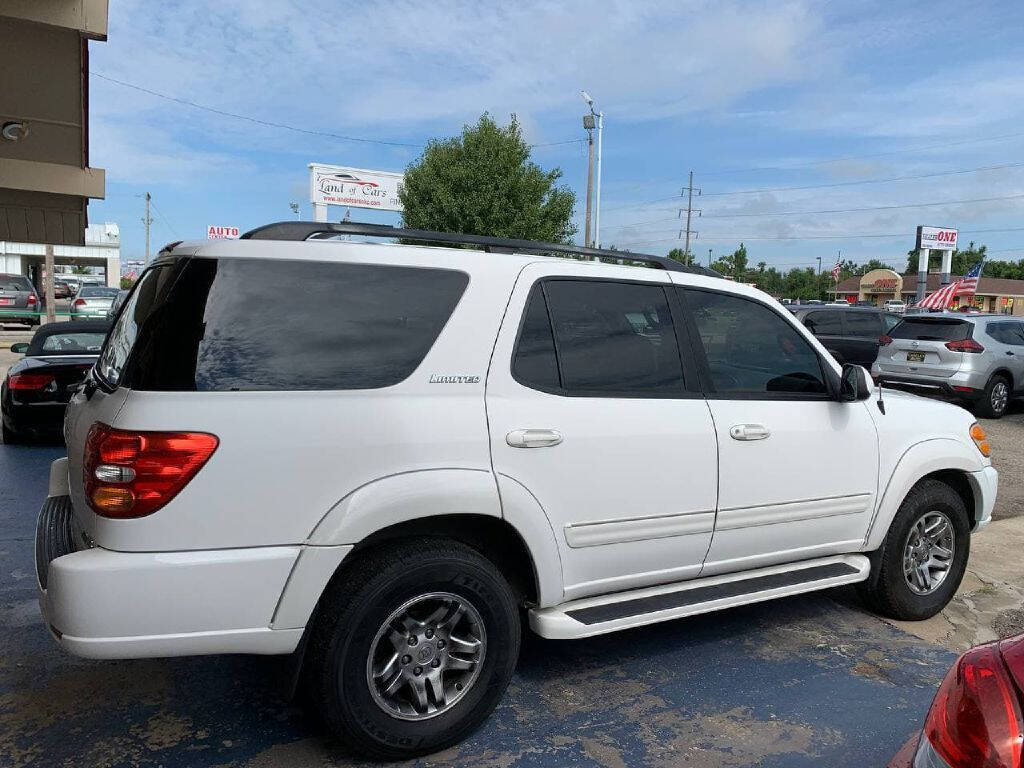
(750, 95)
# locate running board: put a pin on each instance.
(622, 610)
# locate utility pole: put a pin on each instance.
(591, 121)
(147, 221)
(588, 124)
(709, 258)
(689, 214)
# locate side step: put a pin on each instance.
(622, 610)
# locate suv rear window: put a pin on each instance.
(14, 283)
(214, 325)
(931, 329)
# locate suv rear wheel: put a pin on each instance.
(412, 648)
(995, 399)
(919, 566)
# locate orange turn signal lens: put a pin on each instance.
(980, 439)
(113, 501)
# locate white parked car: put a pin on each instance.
(895, 305)
(380, 482)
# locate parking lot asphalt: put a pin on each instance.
(805, 681)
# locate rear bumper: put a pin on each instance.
(104, 604)
(972, 383)
(34, 419)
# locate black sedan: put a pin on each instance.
(37, 388)
(850, 334)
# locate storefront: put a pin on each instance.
(995, 294)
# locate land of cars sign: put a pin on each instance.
(215, 232)
(355, 187)
(936, 238)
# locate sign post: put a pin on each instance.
(933, 239)
(352, 187)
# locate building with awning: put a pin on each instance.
(46, 181)
(995, 294)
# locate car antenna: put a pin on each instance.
(881, 402)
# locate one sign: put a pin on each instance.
(355, 187)
(214, 232)
(936, 238)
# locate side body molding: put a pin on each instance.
(917, 461)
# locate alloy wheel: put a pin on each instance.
(928, 552)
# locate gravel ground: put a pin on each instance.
(1007, 439)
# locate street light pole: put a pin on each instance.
(588, 124)
(594, 119)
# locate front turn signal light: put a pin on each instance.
(980, 439)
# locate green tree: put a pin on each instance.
(484, 183)
(863, 269)
(80, 270)
(678, 254)
(734, 265)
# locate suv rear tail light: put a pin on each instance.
(129, 474)
(30, 381)
(884, 340)
(79, 302)
(31, 298)
(975, 719)
(966, 345)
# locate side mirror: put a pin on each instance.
(853, 384)
(20, 348)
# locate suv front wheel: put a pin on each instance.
(922, 560)
(413, 647)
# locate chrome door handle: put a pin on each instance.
(749, 432)
(533, 438)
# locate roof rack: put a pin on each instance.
(303, 230)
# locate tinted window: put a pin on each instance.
(824, 323)
(535, 364)
(751, 349)
(246, 324)
(1007, 333)
(863, 324)
(931, 329)
(614, 338)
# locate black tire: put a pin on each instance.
(984, 406)
(357, 603)
(886, 591)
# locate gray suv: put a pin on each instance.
(978, 359)
(19, 302)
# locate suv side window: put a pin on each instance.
(890, 322)
(824, 323)
(610, 340)
(752, 351)
(1007, 333)
(863, 324)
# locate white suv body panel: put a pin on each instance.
(299, 478)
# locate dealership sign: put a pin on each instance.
(936, 238)
(355, 187)
(215, 232)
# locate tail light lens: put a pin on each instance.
(79, 302)
(975, 719)
(30, 381)
(32, 298)
(129, 474)
(884, 341)
(965, 345)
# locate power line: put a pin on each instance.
(283, 126)
(860, 210)
(164, 218)
(863, 157)
(865, 181)
(874, 235)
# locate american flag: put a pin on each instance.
(835, 271)
(966, 285)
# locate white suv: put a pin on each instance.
(379, 477)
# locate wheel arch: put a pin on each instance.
(1008, 374)
(944, 459)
